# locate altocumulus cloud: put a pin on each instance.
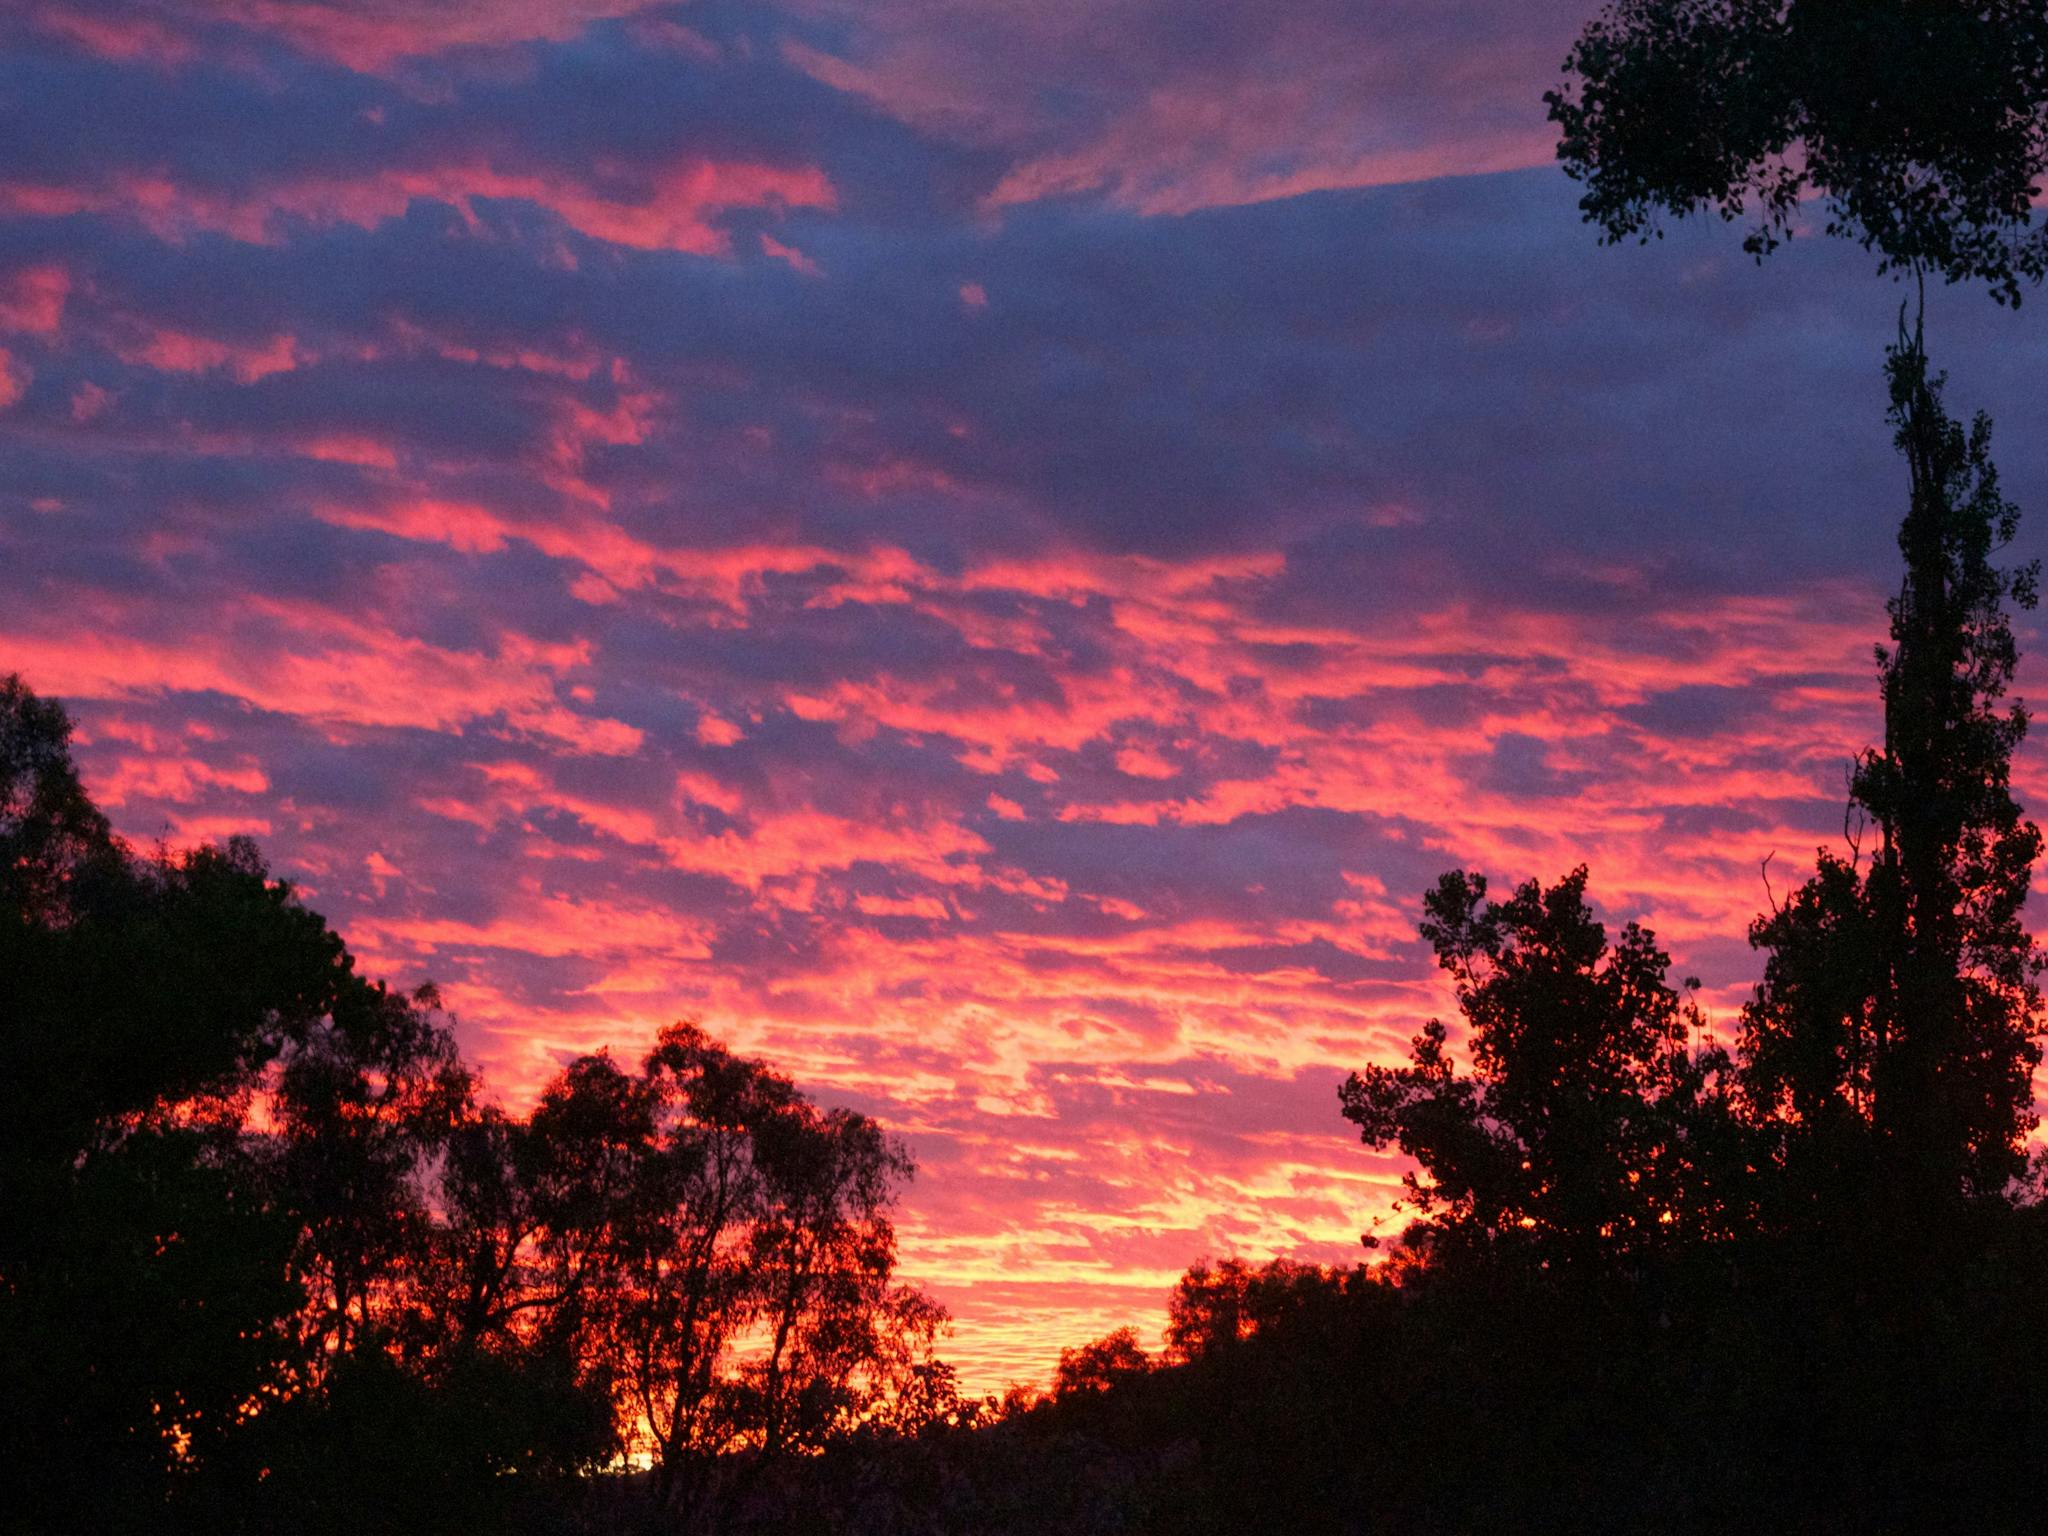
(987, 552)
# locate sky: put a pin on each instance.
(987, 552)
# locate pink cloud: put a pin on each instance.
(366, 35)
(320, 665)
(746, 676)
(790, 256)
(32, 299)
(15, 378)
(131, 37)
(671, 209)
(180, 352)
(1316, 97)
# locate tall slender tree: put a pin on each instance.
(1899, 1020)
(1891, 1043)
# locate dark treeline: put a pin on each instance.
(269, 1261)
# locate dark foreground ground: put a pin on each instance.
(1815, 1390)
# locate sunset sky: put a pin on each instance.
(986, 551)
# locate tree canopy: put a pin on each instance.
(1883, 1076)
(269, 1256)
(1574, 1132)
(1920, 126)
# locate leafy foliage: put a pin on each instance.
(1097, 1367)
(146, 1297)
(1574, 1134)
(268, 1260)
(1922, 125)
(1893, 1039)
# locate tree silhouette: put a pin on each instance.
(1217, 1307)
(1897, 1027)
(1101, 1365)
(362, 1103)
(760, 1220)
(1923, 125)
(1573, 1134)
(269, 1261)
(148, 1299)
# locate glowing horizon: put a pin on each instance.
(987, 568)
